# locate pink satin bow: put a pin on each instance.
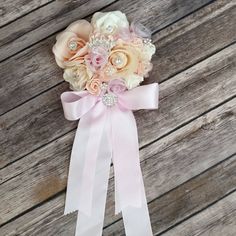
(119, 125)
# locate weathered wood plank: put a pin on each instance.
(166, 164)
(45, 21)
(37, 70)
(200, 35)
(38, 25)
(187, 199)
(217, 220)
(41, 120)
(10, 10)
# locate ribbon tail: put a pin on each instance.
(83, 161)
(92, 225)
(76, 166)
(128, 176)
(137, 220)
(129, 187)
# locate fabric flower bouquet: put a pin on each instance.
(104, 63)
(107, 49)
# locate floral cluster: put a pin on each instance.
(109, 48)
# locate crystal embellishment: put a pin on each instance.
(109, 28)
(109, 99)
(104, 87)
(73, 45)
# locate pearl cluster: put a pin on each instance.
(109, 99)
(147, 41)
(110, 70)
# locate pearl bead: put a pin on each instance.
(118, 61)
(109, 29)
(109, 99)
(73, 45)
(104, 87)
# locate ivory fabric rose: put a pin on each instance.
(94, 85)
(77, 76)
(109, 22)
(71, 45)
(133, 81)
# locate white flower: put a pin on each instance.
(133, 81)
(148, 51)
(109, 22)
(77, 76)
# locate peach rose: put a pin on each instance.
(71, 45)
(77, 76)
(125, 59)
(94, 85)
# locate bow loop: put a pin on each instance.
(142, 97)
(77, 104)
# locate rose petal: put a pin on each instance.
(81, 28)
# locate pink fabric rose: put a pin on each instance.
(97, 58)
(117, 86)
(71, 45)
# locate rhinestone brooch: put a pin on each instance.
(109, 99)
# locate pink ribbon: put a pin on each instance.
(119, 126)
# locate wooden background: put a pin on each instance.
(187, 147)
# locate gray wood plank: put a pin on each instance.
(217, 220)
(41, 120)
(53, 17)
(166, 164)
(37, 70)
(10, 10)
(45, 21)
(188, 198)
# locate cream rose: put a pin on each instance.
(77, 76)
(109, 22)
(149, 50)
(133, 81)
(71, 46)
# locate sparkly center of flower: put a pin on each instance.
(72, 45)
(109, 29)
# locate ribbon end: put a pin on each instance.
(67, 212)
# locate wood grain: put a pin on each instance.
(41, 120)
(216, 220)
(44, 22)
(10, 10)
(166, 164)
(38, 71)
(187, 146)
(188, 198)
(57, 15)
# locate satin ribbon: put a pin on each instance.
(104, 134)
